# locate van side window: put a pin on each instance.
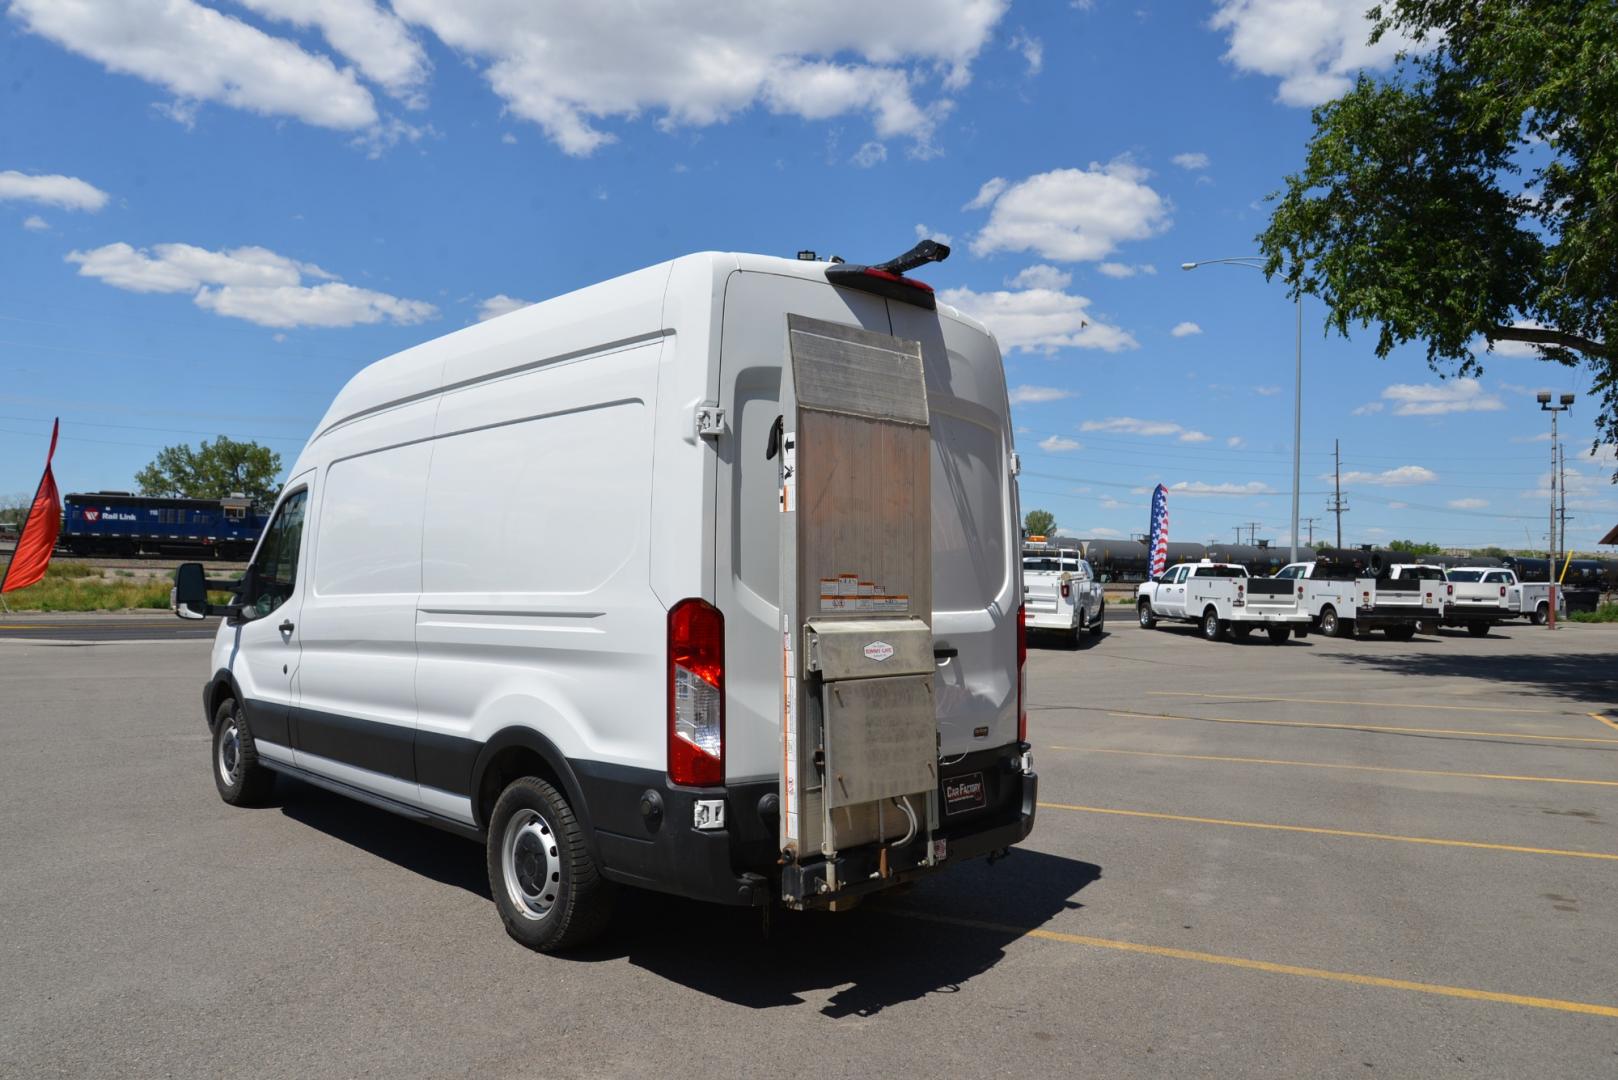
(277, 561)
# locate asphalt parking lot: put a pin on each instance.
(1327, 858)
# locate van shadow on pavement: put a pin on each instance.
(888, 948)
(1584, 678)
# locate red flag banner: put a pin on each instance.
(38, 537)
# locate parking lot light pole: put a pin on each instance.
(1253, 262)
(1566, 403)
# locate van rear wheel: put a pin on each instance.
(550, 895)
(1541, 613)
(1478, 629)
(1213, 627)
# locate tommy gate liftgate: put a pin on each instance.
(859, 728)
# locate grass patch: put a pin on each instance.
(77, 586)
(1604, 613)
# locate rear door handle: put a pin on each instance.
(286, 626)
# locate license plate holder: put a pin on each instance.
(964, 793)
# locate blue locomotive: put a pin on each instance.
(118, 523)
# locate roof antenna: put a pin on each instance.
(923, 253)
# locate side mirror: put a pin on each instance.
(190, 596)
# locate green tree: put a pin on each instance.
(213, 471)
(1039, 523)
(1472, 195)
(1410, 547)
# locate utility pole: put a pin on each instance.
(1337, 505)
(1566, 403)
(1311, 523)
(1561, 479)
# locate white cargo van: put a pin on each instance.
(703, 579)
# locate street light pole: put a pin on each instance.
(1253, 262)
(1566, 403)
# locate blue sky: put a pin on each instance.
(213, 213)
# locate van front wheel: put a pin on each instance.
(241, 780)
(545, 885)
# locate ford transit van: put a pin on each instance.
(703, 579)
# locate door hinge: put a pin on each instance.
(1016, 463)
(709, 421)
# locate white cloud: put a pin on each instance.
(498, 305)
(250, 283)
(1235, 441)
(986, 195)
(1041, 276)
(1129, 425)
(567, 67)
(871, 153)
(372, 37)
(1039, 320)
(1059, 444)
(1266, 391)
(1395, 505)
(1467, 504)
(1315, 47)
(1368, 408)
(1402, 476)
(511, 140)
(1185, 329)
(1032, 49)
(1101, 532)
(200, 54)
(1190, 160)
(1071, 215)
(67, 192)
(924, 233)
(35, 223)
(1436, 399)
(1125, 270)
(1035, 395)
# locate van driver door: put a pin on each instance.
(265, 661)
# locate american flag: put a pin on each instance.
(1158, 538)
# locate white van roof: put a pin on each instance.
(629, 308)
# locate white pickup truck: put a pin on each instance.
(1223, 599)
(1060, 592)
(1344, 598)
(1482, 596)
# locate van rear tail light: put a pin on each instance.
(1365, 598)
(1022, 680)
(696, 648)
(1449, 590)
(1067, 590)
(1300, 590)
(1502, 590)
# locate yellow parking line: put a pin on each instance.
(1167, 952)
(1610, 723)
(1334, 832)
(1333, 765)
(1346, 726)
(1337, 701)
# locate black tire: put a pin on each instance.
(1101, 618)
(1213, 627)
(549, 893)
(1541, 613)
(1478, 629)
(241, 780)
(1278, 635)
(1400, 633)
(1241, 631)
(1330, 624)
(1144, 611)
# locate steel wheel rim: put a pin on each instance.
(1145, 616)
(1328, 624)
(530, 866)
(1210, 627)
(229, 757)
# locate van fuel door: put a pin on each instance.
(859, 725)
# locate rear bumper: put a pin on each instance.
(1053, 621)
(1269, 618)
(1457, 615)
(738, 864)
(1397, 616)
